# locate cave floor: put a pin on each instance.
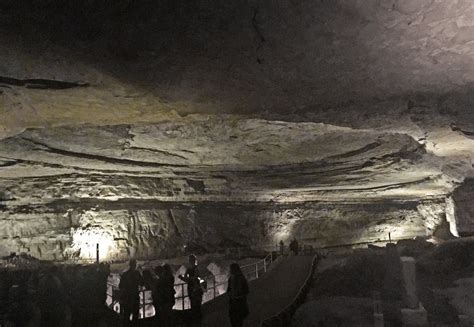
(342, 292)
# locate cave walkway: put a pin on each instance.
(268, 296)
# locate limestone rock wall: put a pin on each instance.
(461, 209)
(154, 229)
(162, 189)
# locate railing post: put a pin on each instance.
(265, 264)
(182, 295)
(143, 303)
(214, 280)
(256, 270)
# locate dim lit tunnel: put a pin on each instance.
(153, 128)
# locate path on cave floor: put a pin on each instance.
(269, 294)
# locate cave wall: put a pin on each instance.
(158, 190)
(460, 211)
(353, 116)
(153, 190)
(154, 229)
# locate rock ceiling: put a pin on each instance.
(222, 160)
(266, 101)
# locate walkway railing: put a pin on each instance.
(284, 317)
(216, 286)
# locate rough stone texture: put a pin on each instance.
(462, 211)
(216, 157)
(111, 113)
(461, 296)
(148, 229)
(414, 317)
(409, 282)
(148, 190)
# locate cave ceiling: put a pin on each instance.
(236, 100)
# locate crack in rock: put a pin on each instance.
(167, 153)
(99, 157)
(40, 83)
(455, 128)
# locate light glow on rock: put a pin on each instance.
(85, 242)
(451, 216)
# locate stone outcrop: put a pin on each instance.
(461, 209)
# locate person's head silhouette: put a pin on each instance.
(133, 264)
(235, 269)
(159, 271)
(192, 260)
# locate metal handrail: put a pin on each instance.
(283, 318)
(180, 300)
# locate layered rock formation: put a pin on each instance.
(460, 211)
(150, 126)
(150, 190)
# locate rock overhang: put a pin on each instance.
(222, 157)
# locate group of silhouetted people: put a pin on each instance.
(293, 247)
(161, 283)
(53, 296)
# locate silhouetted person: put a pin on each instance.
(237, 289)
(195, 291)
(52, 300)
(282, 248)
(294, 246)
(15, 306)
(34, 312)
(165, 295)
(150, 282)
(129, 285)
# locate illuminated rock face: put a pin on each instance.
(150, 229)
(151, 190)
(354, 117)
(461, 209)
